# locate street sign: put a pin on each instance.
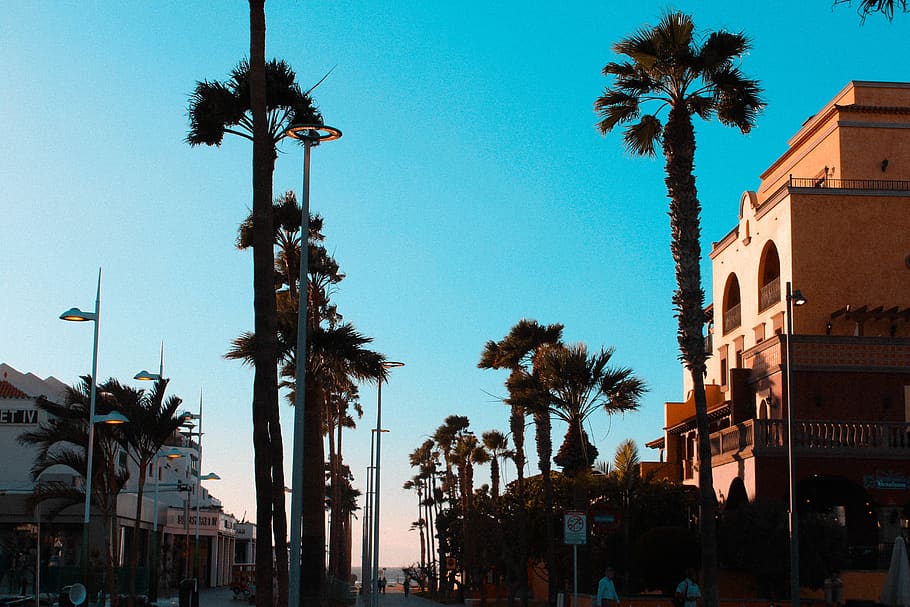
(576, 527)
(605, 516)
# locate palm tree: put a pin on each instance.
(467, 452)
(498, 446)
(62, 441)
(578, 384)
(153, 421)
(337, 415)
(516, 352)
(257, 103)
(416, 484)
(424, 458)
(669, 66)
(336, 357)
(885, 7)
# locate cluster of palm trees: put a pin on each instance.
(337, 360)
(547, 379)
(62, 441)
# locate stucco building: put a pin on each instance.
(831, 216)
(23, 528)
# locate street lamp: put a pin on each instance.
(794, 298)
(310, 135)
(187, 417)
(366, 553)
(77, 315)
(148, 375)
(172, 453)
(389, 364)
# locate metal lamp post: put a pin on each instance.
(199, 478)
(77, 315)
(366, 555)
(794, 298)
(310, 135)
(172, 453)
(377, 474)
(211, 476)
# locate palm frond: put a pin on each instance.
(738, 99)
(642, 137)
(615, 107)
(720, 49)
(212, 108)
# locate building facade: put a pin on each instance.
(831, 219)
(33, 542)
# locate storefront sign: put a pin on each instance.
(19, 416)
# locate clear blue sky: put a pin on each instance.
(471, 189)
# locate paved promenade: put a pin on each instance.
(223, 597)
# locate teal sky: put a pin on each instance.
(471, 189)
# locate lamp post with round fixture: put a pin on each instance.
(389, 364)
(77, 315)
(794, 298)
(172, 453)
(310, 135)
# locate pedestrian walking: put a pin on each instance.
(688, 594)
(606, 590)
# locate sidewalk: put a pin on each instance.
(223, 597)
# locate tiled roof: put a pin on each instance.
(8, 390)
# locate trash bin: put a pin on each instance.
(189, 595)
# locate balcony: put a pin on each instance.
(769, 295)
(850, 184)
(814, 437)
(732, 318)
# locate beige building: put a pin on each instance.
(831, 217)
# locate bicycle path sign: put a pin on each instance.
(575, 527)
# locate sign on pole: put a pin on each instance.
(576, 528)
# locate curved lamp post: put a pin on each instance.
(389, 364)
(172, 453)
(148, 375)
(310, 135)
(77, 315)
(794, 298)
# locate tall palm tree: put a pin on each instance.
(516, 352)
(668, 65)
(257, 103)
(578, 384)
(153, 420)
(498, 446)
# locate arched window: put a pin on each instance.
(768, 278)
(732, 314)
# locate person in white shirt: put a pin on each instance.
(606, 591)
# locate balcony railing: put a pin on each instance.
(849, 184)
(769, 295)
(732, 318)
(815, 437)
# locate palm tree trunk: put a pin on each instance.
(265, 380)
(544, 455)
(313, 528)
(517, 428)
(685, 209)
